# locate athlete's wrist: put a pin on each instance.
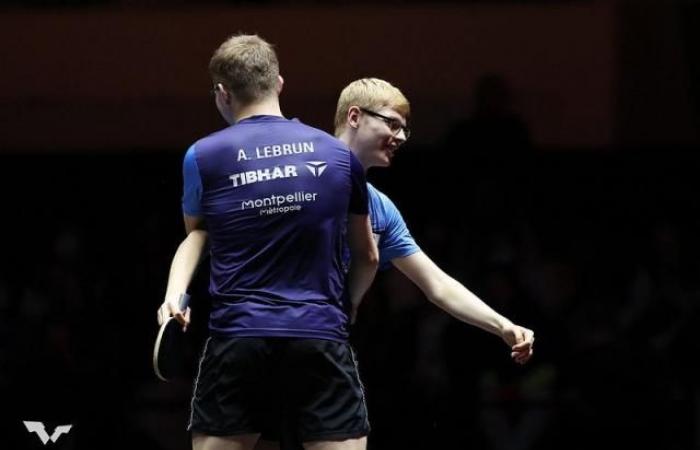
(503, 325)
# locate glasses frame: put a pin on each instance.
(389, 121)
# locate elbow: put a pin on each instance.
(439, 292)
(371, 259)
(437, 296)
(374, 255)
(365, 255)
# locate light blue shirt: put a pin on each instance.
(389, 229)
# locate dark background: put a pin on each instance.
(553, 172)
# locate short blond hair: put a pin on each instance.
(369, 93)
(247, 65)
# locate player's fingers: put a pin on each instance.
(162, 314)
(521, 346)
(522, 357)
(187, 319)
(517, 337)
(530, 336)
(517, 358)
(524, 338)
(519, 352)
(180, 317)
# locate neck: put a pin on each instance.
(269, 106)
(347, 137)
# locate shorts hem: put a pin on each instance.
(335, 435)
(220, 433)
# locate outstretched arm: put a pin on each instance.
(455, 299)
(182, 270)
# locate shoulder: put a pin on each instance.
(383, 211)
(212, 141)
(380, 198)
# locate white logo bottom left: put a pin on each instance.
(40, 430)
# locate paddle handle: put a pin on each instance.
(184, 301)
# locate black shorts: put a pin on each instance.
(274, 386)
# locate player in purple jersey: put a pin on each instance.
(371, 119)
(279, 200)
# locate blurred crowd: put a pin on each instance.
(595, 251)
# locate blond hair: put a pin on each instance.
(247, 65)
(369, 93)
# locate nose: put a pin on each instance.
(400, 136)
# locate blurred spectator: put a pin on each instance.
(493, 128)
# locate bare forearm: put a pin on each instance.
(462, 304)
(458, 301)
(185, 263)
(364, 257)
(360, 278)
(449, 294)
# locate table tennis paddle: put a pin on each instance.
(168, 359)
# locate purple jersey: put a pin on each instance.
(275, 194)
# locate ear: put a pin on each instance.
(353, 117)
(280, 84)
(224, 93)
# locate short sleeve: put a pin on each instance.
(192, 184)
(397, 241)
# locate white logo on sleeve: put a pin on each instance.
(316, 167)
(40, 430)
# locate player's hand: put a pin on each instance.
(171, 309)
(520, 340)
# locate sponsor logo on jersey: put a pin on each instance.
(260, 175)
(280, 204)
(316, 167)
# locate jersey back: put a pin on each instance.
(275, 195)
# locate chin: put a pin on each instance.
(382, 163)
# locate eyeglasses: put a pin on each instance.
(394, 125)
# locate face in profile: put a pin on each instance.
(380, 133)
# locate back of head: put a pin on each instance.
(369, 93)
(247, 66)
